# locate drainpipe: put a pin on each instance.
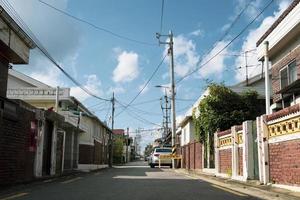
(267, 81)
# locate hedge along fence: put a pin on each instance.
(279, 147)
(234, 152)
(192, 156)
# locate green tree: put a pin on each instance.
(223, 108)
(118, 149)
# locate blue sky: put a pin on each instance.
(104, 63)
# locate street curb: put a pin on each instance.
(239, 187)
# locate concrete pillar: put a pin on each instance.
(3, 76)
(38, 162)
(263, 151)
(248, 159)
(53, 149)
(259, 148)
(234, 151)
(216, 145)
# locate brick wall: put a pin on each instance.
(295, 54)
(240, 161)
(86, 154)
(284, 159)
(98, 153)
(192, 155)
(198, 150)
(225, 161)
(16, 161)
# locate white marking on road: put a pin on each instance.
(229, 190)
(192, 177)
(71, 180)
(15, 196)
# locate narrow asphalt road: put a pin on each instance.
(134, 181)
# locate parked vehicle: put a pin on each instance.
(154, 157)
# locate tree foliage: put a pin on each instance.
(118, 149)
(223, 108)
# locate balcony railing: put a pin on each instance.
(71, 118)
(37, 93)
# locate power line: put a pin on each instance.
(96, 26)
(145, 85)
(145, 102)
(136, 116)
(39, 45)
(228, 44)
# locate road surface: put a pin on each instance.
(134, 181)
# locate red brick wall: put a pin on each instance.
(192, 156)
(240, 161)
(225, 161)
(16, 161)
(295, 54)
(284, 159)
(198, 160)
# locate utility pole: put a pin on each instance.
(111, 133)
(172, 81)
(166, 117)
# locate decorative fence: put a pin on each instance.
(234, 152)
(279, 147)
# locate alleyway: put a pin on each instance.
(135, 181)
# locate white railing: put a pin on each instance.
(37, 93)
(71, 118)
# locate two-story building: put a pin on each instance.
(279, 131)
(17, 118)
(83, 132)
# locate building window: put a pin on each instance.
(288, 75)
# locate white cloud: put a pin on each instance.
(117, 90)
(93, 84)
(197, 32)
(57, 33)
(127, 68)
(185, 55)
(51, 77)
(251, 39)
(216, 65)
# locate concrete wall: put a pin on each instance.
(187, 133)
